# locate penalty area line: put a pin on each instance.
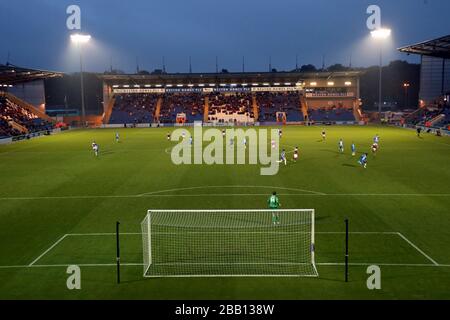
(48, 250)
(417, 248)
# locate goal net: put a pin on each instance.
(228, 243)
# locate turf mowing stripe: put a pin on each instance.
(322, 264)
(435, 195)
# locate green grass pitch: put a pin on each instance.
(59, 205)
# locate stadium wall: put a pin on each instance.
(32, 92)
(29, 136)
(320, 103)
(76, 120)
(434, 79)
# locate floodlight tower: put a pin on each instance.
(80, 40)
(381, 35)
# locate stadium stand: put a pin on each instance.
(189, 104)
(271, 103)
(334, 113)
(234, 108)
(16, 120)
(133, 108)
(444, 121)
(423, 116)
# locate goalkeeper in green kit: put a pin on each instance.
(274, 204)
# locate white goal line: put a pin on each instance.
(399, 234)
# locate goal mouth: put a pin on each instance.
(229, 243)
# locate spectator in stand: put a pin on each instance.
(234, 107)
(191, 104)
(134, 108)
(272, 102)
(11, 113)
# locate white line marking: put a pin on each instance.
(418, 249)
(323, 264)
(46, 251)
(236, 276)
(231, 263)
(319, 232)
(237, 186)
(33, 265)
(434, 195)
(335, 264)
(102, 234)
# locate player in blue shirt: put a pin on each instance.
(283, 157)
(376, 139)
(363, 160)
(353, 149)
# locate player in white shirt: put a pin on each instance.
(117, 137)
(324, 135)
(95, 148)
(296, 154)
(274, 145)
(341, 146)
(245, 143)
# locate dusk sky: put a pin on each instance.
(34, 33)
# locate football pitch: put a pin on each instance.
(59, 205)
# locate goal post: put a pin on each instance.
(229, 243)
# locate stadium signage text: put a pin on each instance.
(255, 143)
(204, 90)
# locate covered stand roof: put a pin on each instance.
(11, 75)
(248, 77)
(439, 48)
